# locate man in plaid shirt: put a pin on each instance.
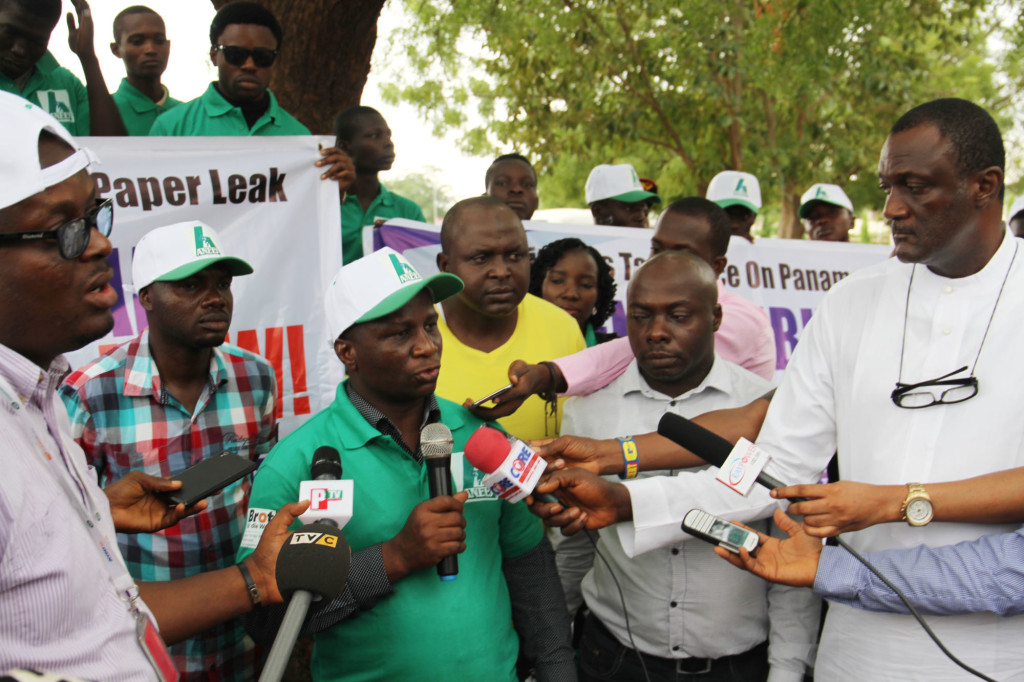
(170, 397)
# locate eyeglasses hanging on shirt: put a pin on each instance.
(942, 390)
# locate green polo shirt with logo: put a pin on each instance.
(210, 114)
(57, 91)
(427, 629)
(137, 110)
(353, 218)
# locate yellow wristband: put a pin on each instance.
(630, 457)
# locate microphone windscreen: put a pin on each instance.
(326, 464)
(487, 448)
(436, 441)
(315, 558)
(709, 446)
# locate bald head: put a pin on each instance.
(679, 272)
(468, 213)
(672, 314)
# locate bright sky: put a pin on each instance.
(190, 71)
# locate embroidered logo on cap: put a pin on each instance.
(405, 272)
(204, 245)
(741, 188)
(821, 193)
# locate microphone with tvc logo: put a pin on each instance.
(436, 445)
(513, 469)
(314, 560)
(330, 499)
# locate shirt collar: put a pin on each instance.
(991, 275)
(27, 379)
(378, 420)
(216, 105)
(139, 102)
(717, 379)
(47, 64)
(142, 376)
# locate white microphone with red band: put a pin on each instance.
(513, 469)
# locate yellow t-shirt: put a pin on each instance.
(543, 332)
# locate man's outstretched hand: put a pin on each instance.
(793, 561)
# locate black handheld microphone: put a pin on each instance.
(314, 560)
(436, 444)
(709, 446)
(326, 464)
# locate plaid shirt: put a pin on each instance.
(125, 419)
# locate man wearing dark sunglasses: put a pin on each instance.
(244, 40)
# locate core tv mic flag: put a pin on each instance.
(717, 451)
(513, 469)
(330, 499)
(436, 444)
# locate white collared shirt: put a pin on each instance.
(836, 396)
(58, 609)
(683, 600)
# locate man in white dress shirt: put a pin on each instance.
(687, 613)
(910, 370)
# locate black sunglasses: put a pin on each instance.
(262, 57)
(73, 236)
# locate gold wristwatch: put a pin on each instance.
(917, 507)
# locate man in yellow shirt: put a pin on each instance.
(494, 321)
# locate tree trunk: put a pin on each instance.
(790, 226)
(324, 58)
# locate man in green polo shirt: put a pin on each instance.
(244, 39)
(363, 134)
(28, 69)
(140, 41)
(411, 625)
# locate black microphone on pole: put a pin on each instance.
(314, 560)
(436, 445)
(709, 446)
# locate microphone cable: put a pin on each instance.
(622, 600)
(920, 619)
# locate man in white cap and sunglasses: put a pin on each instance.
(382, 320)
(171, 397)
(67, 602)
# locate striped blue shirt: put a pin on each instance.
(986, 574)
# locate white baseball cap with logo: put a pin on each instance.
(616, 182)
(174, 252)
(377, 285)
(19, 139)
(1016, 208)
(829, 194)
(735, 188)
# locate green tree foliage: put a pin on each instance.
(425, 188)
(794, 91)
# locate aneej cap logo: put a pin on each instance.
(741, 188)
(405, 272)
(821, 193)
(204, 245)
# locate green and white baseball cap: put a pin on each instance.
(735, 188)
(174, 252)
(829, 194)
(616, 182)
(377, 285)
(19, 138)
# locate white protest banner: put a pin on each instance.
(786, 277)
(264, 196)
